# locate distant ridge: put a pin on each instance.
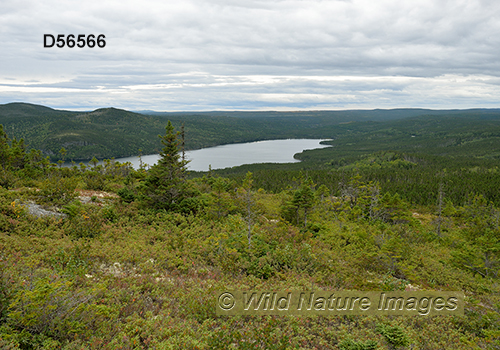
(25, 109)
(354, 114)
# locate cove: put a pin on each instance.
(226, 156)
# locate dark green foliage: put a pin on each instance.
(94, 181)
(49, 307)
(165, 185)
(126, 194)
(247, 205)
(4, 148)
(394, 210)
(302, 200)
(7, 179)
(36, 164)
(394, 335)
(72, 261)
(73, 209)
(479, 250)
(192, 204)
(109, 213)
(221, 196)
(349, 344)
(260, 267)
(12, 152)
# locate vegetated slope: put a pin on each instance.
(467, 134)
(21, 109)
(142, 271)
(102, 133)
(111, 132)
(138, 264)
(412, 157)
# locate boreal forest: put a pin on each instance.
(105, 256)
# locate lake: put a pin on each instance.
(226, 156)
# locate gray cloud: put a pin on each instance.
(228, 54)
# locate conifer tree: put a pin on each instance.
(4, 148)
(166, 185)
(302, 202)
(63, 153)
(479, 250)
(17, 152)
(221, 199)
(94, 162)
(36, 160)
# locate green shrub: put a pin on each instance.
(394, 335)
(349, 344)
(266, 335)
(6, 289)
(260, 268)
(50, 306)
(72, 261)
(57, 190)
(94, 181)
(7, 178)
(84, 220)
(126, 194)
(108, 213)
(72, 209)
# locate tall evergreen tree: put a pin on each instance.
(166, 185)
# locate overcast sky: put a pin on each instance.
(197, 55)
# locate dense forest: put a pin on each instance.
(111, 132)
(104, 256)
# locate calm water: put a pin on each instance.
(226, 156)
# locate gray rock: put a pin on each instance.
(38, 211)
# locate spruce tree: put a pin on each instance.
(166, 185)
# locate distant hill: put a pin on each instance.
(102, 133)
(333, 116)
(21, 110)
(112, 132)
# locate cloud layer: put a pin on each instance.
(228, 54)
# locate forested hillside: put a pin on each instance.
(108, 257)
(111, 132)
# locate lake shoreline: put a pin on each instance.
(234, 154)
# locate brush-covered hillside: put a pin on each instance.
(108, 257)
